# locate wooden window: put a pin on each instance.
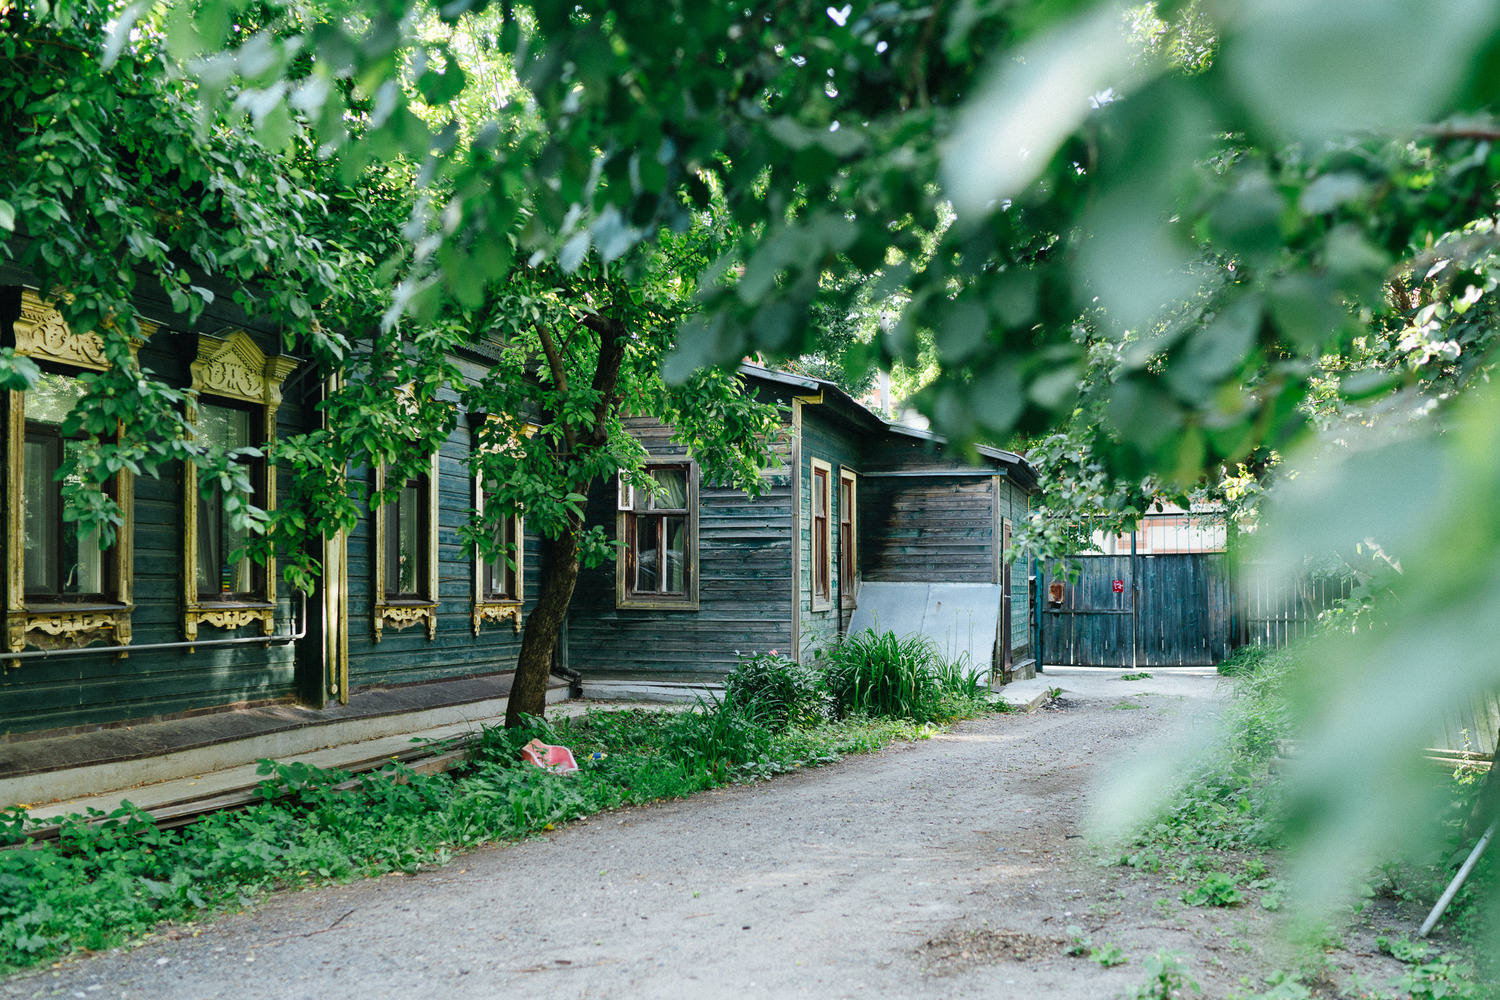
(848, 536)
(225, 573)
(238, 389)
(499, 567)
(822, 538)
(498, 578)
(406, 551)
(659, 528)
(63, 589)
(61, 565)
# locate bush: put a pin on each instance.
(884, 675)
(781, 690)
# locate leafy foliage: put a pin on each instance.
(783, 690)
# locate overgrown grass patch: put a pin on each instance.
(1222, 828)
(110, 879)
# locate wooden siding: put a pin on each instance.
(42, 694)
(1175, 610)
(743, 560)
(407, 656)
(928, 529)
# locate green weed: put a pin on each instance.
(1167, 979)
(779, 689)
(1108, 955)
(895, 676)
(1217, 889)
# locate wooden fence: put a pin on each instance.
(1173, 609)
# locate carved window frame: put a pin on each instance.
(40, 333)
(398, 613)
(486, 608)
(231, 366)
(630, 507)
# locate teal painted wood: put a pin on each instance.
(831, 440)
(408, 656)
(745, 585)
(1174, 611)
(928, 529)
(42, 695)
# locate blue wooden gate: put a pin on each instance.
(1138, 610)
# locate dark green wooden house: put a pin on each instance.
(850, 500)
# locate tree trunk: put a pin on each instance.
(528, 690)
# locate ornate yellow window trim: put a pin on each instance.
(41, 333)
(399, 612)
(231, 366)
(488, 609)
(497, 611)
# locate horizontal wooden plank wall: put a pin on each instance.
(929, 529)
(407, 656)
(745, 590)
(76, 691)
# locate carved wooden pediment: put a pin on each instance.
(234, 365)
(41, 332)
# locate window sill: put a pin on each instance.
(65, 607)
(657, 604)
(400, 613)
(68, 625)
(229, 615)
(822, 605)
(497, 611)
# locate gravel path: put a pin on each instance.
(946, 868)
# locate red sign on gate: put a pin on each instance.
(1119, 586)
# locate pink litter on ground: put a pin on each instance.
(558, 759)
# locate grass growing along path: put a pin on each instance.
(108, 880)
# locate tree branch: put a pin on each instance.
(559, 381)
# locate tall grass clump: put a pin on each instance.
(893, 676)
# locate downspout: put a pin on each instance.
(796, 459)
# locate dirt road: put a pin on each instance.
(946, 868)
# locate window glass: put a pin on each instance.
(43, 519)
(219, 576)
(51, 397)
(58, 560)
(499, 580)
(675, 484)
(658, 530)
(406, 541)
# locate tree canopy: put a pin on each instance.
(1263, 220)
